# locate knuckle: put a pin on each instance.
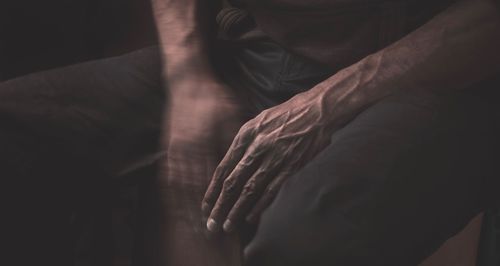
(249, 190)
(260, 139)
(261, 172)
(262, 142)
(229, 186)
(248, 193)
(217, 176)
(257, 149)
(262, 114)
(242, 165)
(246, 129)
(272, 190)
(247, 161)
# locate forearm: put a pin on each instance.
(450, 52)
(185, 29)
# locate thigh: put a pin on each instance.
(64, 133)
(86, 108)
(93, 111)
(393, 184)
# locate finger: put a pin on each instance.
(231, 190)
(233, 156)
(267, 198)
(250, 194)
(211, 165)
(221, 172)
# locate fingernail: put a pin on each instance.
(228, 226)
(211, 225)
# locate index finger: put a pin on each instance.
(231, 159)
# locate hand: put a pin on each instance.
(266, 150)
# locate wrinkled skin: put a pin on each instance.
(278, 142)
(194, 140)
(275, 144)
(267, 150)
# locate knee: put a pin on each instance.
(254, 255)
(273, 244)
(299, 238)
(260, 253)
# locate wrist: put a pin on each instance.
(348, 92)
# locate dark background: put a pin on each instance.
(37, 35)
(43, 34)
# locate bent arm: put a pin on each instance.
(197, 106)
(452, 51)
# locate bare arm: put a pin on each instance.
(451, 52)
(454, 50)
(186, 30)
(199, 107)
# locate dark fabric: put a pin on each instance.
(489, 245)
(66, 138)
(40, 35)
(392, 185)
(265, 74)
(340, 32)
(395, 183)
(404, 176)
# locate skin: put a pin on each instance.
(451, 52)
(279, 141)
(199, 107)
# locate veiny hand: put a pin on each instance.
(266, 150)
